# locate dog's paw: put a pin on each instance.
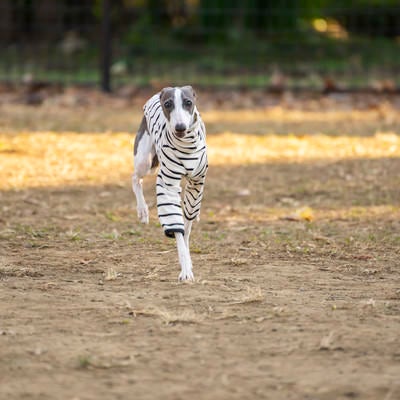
(143, 214)
(186, 275)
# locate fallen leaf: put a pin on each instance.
(368, 303)
(111, 274)
(302, 214)
(243, 192)
(326, 342)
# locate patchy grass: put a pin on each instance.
(295, 258)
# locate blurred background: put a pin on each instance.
(305, 44)
(297, 252)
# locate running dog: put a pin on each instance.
(172, 136)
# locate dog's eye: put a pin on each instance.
(168, 104)
(188, 103)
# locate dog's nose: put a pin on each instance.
(180, 128)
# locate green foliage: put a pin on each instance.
(228, 39)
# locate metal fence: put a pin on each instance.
(311, 44)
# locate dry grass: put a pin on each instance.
(279, 114)
(252, 295)
(58, 159)
(238, 149)
(296, 261)
(170, 317)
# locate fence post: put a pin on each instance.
(105, 46)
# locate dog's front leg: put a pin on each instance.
(170, 214)
(188, 229)
(191, 205)
(184, 258)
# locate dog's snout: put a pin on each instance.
(180, 128)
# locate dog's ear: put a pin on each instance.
(164, 90)
(190, 90)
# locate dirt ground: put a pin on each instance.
(296, 256)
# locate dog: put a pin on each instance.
(172, 138)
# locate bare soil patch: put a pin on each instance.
(296, 257)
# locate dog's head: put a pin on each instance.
(178, 105)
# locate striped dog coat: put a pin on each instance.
(178, 158)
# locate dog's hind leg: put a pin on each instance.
(144, 160)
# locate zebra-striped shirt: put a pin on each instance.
(178, 157)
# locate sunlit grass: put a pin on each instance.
(57, 159)
(237, 149)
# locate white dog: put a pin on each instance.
(172, 135)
